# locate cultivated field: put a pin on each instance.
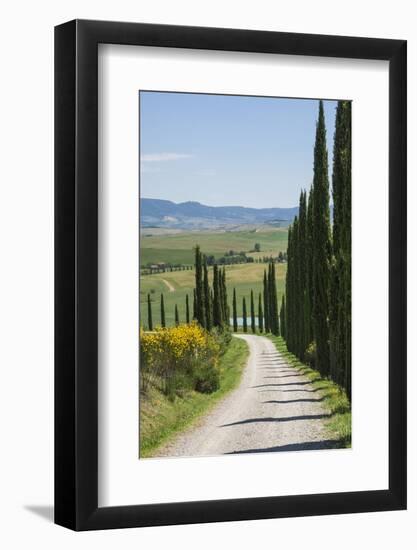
(179, 247)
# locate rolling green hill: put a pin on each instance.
(178, 248)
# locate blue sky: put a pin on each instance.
(228, 150)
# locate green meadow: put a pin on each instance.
(242, 277)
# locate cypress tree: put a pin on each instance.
(347, 244)
(340, 303)
(162, 312)
(252, 313)
(199, 288)
(290, 299)
(299, 275)
(309, 327)
(321, 246)
(302, 278)
(221, 299)
(222, 296)
(260, 314)
(283, 317)
(296, 305)
(194, 305)
(235, 326)
(206, 288)
(150, 324)
(244, 316)
(211, 305)
(272, 300)
(187, 310)
(217, 307)
(266, 304)
(226, 311)
(177, 317)
(276, 311)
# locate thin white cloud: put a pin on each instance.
(163, 157)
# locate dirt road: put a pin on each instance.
(168, 285)
(275, 408)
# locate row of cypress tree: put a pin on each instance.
(245, 313)
(211, 307)
(162, 312)
(268, 315)
(316, 310)
(215, 310)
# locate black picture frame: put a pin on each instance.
(76, 272)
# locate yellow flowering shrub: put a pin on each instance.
(179, 357)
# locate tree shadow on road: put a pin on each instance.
(305, 446)
(284, 376)
(282, 419)
(319, 388)
(296, 401)
(285, 384)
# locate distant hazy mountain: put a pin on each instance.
(161, 213)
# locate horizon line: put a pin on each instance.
(222, 206)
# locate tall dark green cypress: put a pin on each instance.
(260, 314)
(206, 293)
(297, 282)
(226, 310)
(194, 305)
(289, 286)
(309, 268)
(302, 277)
(177, 317)
(347, 244)
(217, 306)
(276, 309)
(252, 313)
(266, 304)
(199, 288)
(187, 310)
(162, 312)
(244, 316)
(340, 303)
(234, 306)
(268, 294)
(321, 246)
(272, 300)
(293, 294)
(287, 335)
(283, 317)
(150, 323)
(221, 299)
(223, 296)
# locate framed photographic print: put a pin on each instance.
(230, 275)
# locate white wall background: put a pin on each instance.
(26, 286)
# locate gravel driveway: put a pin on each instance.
(275, 408)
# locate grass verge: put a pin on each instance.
(334, 397)
(161, 418)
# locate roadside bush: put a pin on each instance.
(179, 358)
(223, 337)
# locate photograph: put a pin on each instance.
(245, 274)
